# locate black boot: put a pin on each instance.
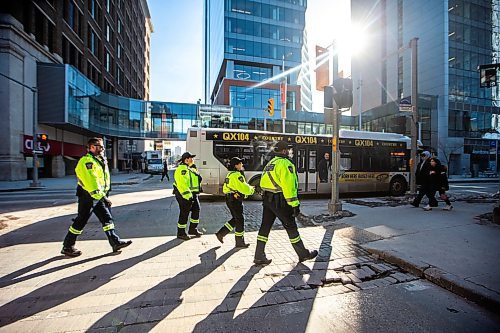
(193, 231)
(221, 233)
(71, 251)
(116, 243)
(303, 253)
(260, 255)
(181, 234)
(240, 242)
(69, 246)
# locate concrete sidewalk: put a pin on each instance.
(450, 248)
(69, 182)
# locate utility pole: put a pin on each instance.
(335, 204)
(360, 88)
(35, 182)
(414, 122)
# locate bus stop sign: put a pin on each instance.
(405, 105)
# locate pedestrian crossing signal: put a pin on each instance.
(270, 106)
(43, 140)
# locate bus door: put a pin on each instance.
(306, 169)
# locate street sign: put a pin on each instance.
(405, 105)
(38, 151)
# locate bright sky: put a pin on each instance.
(177, 44)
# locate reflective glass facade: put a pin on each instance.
(107, 114)
(470, 45)
(260, 40)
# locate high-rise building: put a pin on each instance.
(454, 38)
(106, 40)
(246, 44)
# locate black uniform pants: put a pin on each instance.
(185, 207)
(165, 174)
(430, 193)
(237, 221)
(85, 204)
(275, 206)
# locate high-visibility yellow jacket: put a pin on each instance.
(235, 182)
(186, 180)
(93, 175)
(280, 176)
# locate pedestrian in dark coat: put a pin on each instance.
(439, 180)
(165, 171)
(423, 180)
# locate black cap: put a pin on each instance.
(235, 161)
(281, 145)
(186, 155)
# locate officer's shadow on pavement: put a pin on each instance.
(151, 219)
(19, 275)
(61, 291)
(171, 298)
(221, 319)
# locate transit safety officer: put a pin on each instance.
(187, 186)
(92, 191)
(236, 189)
(280, 184)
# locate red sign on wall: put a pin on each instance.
(54, 148)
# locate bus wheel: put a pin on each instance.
(257, 195)
(398, 186)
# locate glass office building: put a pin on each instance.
(454, 38)
(69, 100)
(246, 44)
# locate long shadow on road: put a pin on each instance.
(66, 289)
(152, 306)
(292, 314)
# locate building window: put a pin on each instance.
(119, 51)
(119, 28)
(108, 62)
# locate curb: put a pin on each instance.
(448, 281)
(475, 180)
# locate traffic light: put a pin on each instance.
(270, 106)
(43, 140)
(342, 93)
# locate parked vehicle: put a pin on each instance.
(154, 162)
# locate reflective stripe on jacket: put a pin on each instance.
(280, 176)
(235, 182)
(183, 181)
(93, 176)
(195, 187)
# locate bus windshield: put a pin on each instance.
(154, 161)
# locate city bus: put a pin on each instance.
(369, 161)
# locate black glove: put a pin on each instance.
(106, 202)
(296, 211)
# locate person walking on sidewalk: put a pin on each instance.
(422, 177)
(165, 171)
(93, 186)
(279, 182)
(439, 181)
(186, 189)
(235, 188)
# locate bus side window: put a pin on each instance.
(345, 161)
(301, 160)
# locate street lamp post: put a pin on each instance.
(360, 88)
(414, 122)
(283, 87)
